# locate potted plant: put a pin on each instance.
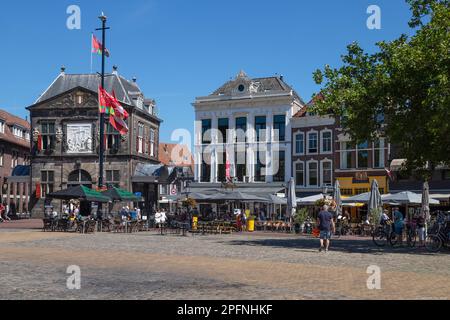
(299, 220)
(375, 216)
(189, 203)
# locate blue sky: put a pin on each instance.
(181, 49)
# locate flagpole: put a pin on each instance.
(92, 40)
(101, 115)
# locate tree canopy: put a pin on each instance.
(402, 90)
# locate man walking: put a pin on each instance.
(326, 226)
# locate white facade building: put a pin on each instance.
(244, 129)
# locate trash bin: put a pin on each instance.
(251, 224)
(194, 222)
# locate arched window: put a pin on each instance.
(79, 177)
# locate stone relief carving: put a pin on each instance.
(68, 101)
(79, 138)
(36, 134)
(59, 135)
(254, 87)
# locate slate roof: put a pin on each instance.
(265, 84)
(11, 120)
(124, 89)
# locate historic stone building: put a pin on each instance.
(14, 161)
(65, 138)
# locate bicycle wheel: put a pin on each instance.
(412, 237)
(394, 239)
(433, 243)
(379, 237)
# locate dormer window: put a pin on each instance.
(139, 102)
(18, 132)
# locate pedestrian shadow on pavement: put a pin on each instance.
(337, 245)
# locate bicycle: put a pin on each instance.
(342, 229)
(383, 234)
(410, 236)
(438, 239)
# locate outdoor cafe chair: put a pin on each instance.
(48, 225)
(118, 226)
(62, 225)
(133, 227)
(90, 226)
(278, 226)
(141, 226)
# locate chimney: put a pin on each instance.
(115, 69)
(281, 77)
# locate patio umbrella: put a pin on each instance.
(426, 201)
(194, 195)
(337, 198)
(81, 193)
(364, 198)
(237, 196)
(374, 197)
(311, 200)
(291, 198)
(408, 197)
(118, 194)
(273, 199)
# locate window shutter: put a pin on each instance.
(38, 191)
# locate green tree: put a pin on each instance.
(401, 91)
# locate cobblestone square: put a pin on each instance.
(239, 266)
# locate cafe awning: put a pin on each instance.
(118, 194)
(79, 193)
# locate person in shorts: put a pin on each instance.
(420, 220)
(327, 227)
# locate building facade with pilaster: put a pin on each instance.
(65, 138)
(242, 132)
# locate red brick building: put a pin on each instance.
(14, 161)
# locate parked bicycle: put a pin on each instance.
(383, 234)
(438, 237)
(342, 229)
(409, 236)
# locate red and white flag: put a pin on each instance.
(390, 174)
(117, 114)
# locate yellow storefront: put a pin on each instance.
(351, 187)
